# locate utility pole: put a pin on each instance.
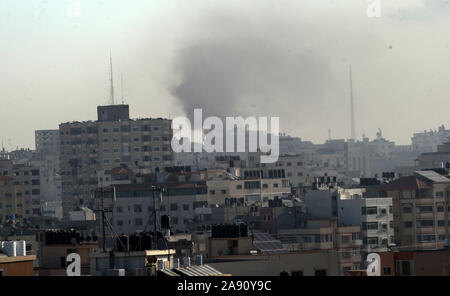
(103, 220)
(154, 189)
(154, 210)
(99, 206)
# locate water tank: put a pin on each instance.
(165, 222)
(21, 248)
(186, 261)
(199, 260)
(146, 242)
(134, 242)
(10, 248)
(123, 243)
(176, 263)
(243, 230)
(214, 231)
(219, 230)
(236, 231)
(160, 264)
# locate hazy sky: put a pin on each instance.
(247, 57)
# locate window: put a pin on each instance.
(138, 221)
(439, 194)
(426, 238)
(345, 239)
(185, 207)
(407, 224)
(371, 240)
(137, 208)
(369, 210)
(407, 210)
(387, 270)
(424, 223)
(440, 209)
(370, 225)
(119, 209)
(252, 185)
(275, 185)
(173, 207)
(424, 209)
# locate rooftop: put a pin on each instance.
(409, 182)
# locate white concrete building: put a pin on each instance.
(374, 215)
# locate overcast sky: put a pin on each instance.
(246, 57)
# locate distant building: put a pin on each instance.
(47, 141)
(420, 210)
(114, 139)
(20, 194)
(374, 216)
(428, 141)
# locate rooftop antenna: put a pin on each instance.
(352, 111)
(111, 81)
(329, 134)
(121, 87)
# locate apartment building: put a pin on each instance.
(374, 216)
(11, 202)
(421, 209)
(258, 190)
(47, 141)
(114, 139)
(325, 234)
(428, 141)
(291, 167)
(438, 159)
(133, 210)
(20, 196)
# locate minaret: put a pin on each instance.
(352, 110)
(111, 81)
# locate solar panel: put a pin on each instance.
(267, 244)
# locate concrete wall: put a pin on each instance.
(17, 266)
(272, 265)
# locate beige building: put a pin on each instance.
(19, 191)
(291, 167)
(421, 209)
(325, 234)
(304, 263)
(114, 139)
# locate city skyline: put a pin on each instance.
(397, 59)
